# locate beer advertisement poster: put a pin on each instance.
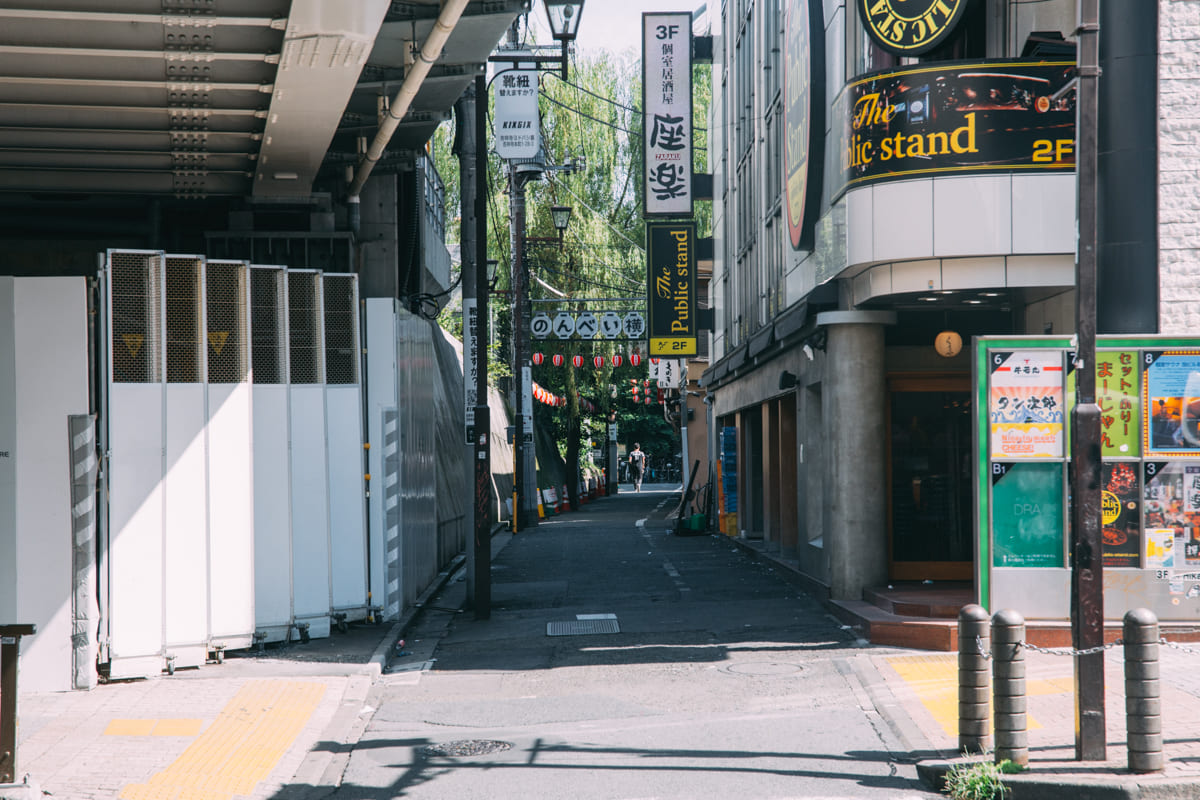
(1120, 515)
(671, 288)
(1025, 404)
(956, 119)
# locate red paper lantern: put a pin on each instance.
(557, 359)
(653, 360)
(648, 400)
(537, 359)
(598, 361)
(635, 359)
(616, 361)
(577, 360)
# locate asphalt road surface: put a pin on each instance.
(679, 667)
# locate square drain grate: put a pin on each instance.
(582, 627)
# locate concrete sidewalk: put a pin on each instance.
(917, 691)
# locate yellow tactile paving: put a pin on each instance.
(154, 727)
(934, 680)
(130, 727)
(240, 748)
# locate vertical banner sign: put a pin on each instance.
(804, 95)
(518, 134)
(667, 114)
(1025, 404)
(470, 362)
(527, 404)
(671, 289)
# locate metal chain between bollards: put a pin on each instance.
(1068, 651)
(1180, 647)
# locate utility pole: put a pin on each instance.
(1087, 560)
(524, 506)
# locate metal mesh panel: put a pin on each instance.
(184, 348)
(341, 329)
(304, 327)
(225, 295)
(266, 325)
(136, 290)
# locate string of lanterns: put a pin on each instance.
(598, 362)
(549, 398)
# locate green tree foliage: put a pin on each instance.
(593, 119)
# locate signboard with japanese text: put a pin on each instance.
(1025, 404)
(1148, 391)
(470, 363)
(1118, 395)
(671, 288)
(1171, 414)
(954, 119)
(517, 133)
(667, 113)
(668, 373)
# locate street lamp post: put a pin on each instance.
(563, 17)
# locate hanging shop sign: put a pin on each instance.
(804, 97)
(667, 114)
(910, 27)
(671, 288)
(966, 117)
(517, 132)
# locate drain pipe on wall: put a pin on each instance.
(426, 58)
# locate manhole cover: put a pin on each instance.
(762, 668)
(582, 627)
(466, 747)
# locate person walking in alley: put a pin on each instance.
(637, 465)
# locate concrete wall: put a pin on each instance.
(43, 380)
(1179, 181)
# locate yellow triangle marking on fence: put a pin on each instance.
(133, 341)
(217, 339)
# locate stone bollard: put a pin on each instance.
(1143, 705)
(1008, 687)
(974, 684)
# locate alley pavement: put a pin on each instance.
(619, 660)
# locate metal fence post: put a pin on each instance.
(10, 648)
(1143, 705)
(1008, 687)
(974, 684)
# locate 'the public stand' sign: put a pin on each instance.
(671, 288)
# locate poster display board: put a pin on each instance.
(1148, 391)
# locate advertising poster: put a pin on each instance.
(1121, 518)
(1171, 416)
(968, 117)
(1118, 393)
(1160, 548)
(1025, 404)
(1027, 515)
(1172, 502)
(518, 131)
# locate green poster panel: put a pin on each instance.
(1118, 393)
(1027, 515)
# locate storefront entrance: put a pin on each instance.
(929, 477)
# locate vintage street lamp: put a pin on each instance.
(563, 17)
